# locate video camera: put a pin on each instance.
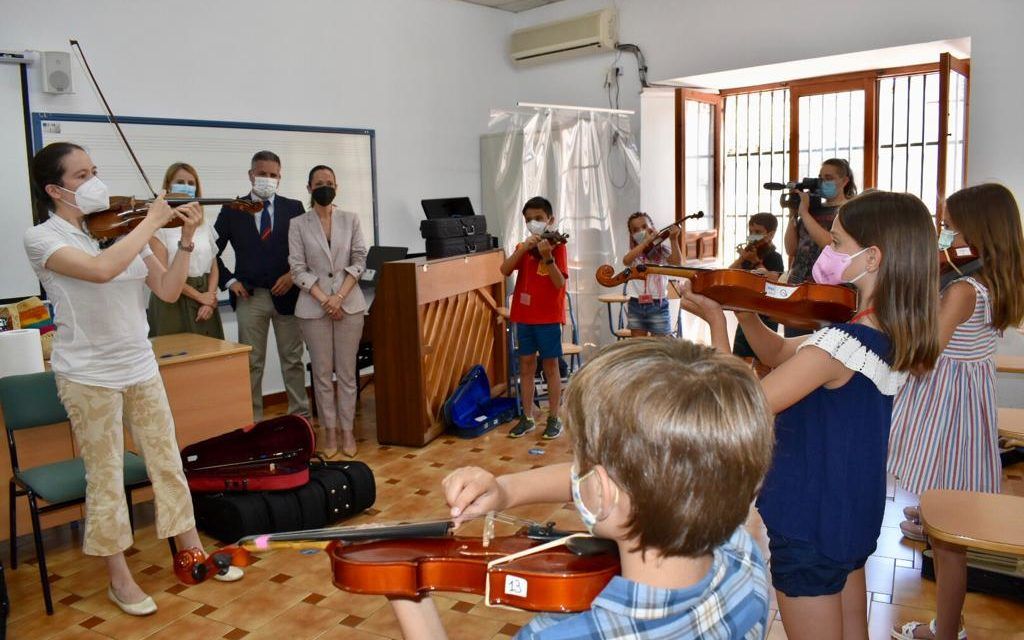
(792, 200)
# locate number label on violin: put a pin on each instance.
(515, 586)
(778, 291)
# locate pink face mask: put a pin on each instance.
(830, 265)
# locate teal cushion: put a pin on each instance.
(31, 400)
(65, 481)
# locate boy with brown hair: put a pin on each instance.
(538, 311)
(671, 441)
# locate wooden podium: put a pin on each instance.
(433, 320)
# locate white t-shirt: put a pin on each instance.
(205, 241)
(102, 332)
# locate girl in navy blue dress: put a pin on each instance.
(832, 393)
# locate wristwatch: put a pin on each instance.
(186, 247)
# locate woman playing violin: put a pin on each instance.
(195, 311)
(666, 472)
(106, 373)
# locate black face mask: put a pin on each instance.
(324, 196)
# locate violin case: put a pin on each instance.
(335, 491)
(271, 455)
(471, 411)
(447, 247)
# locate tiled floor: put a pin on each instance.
(288, 594)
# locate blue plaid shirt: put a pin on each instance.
(731, 602)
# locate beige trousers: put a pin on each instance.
(333, 345)
(255, 314)
(98, 418)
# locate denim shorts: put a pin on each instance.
(649, 316)
(545, 339)
(798, 569)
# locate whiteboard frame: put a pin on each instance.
(39, 117)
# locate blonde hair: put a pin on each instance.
(988, 217)
(684, 430)
(173, 169)
(906, 297)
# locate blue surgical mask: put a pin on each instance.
(828, 189)
(946, 237)
(183, 189)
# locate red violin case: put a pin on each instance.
(271, 455)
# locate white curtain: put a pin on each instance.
(586, 163)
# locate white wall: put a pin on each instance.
(423, 73)
(688, 37)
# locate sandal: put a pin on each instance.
(912, 531)
(913, 514)
(906, 631)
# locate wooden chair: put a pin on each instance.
(1011, 426)
(31, 401)
(572, 349)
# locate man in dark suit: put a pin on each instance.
(261, 285)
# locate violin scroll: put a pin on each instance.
(607, 277)
(192, 566)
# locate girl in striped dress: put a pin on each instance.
(944, 430)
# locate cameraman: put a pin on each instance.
(807, 232)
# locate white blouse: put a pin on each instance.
(102, 332)
(205, 240)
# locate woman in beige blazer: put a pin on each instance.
(327, 255)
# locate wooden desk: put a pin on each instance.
(207, 382)
(987, 521)
(1009, 364)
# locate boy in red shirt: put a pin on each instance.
(538, 311)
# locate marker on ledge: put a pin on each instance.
(171, 355)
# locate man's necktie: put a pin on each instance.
(265, 222)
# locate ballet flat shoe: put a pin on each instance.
(142, 608)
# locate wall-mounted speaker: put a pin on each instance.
(57, 72)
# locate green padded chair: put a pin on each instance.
(30, 401)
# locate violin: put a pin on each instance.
(126, 212)
(804, 306)
(759, 247)
(663, 233)
(537, 569)
(554, 238)
(957, 262)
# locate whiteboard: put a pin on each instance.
(17, 279)
(221, 152)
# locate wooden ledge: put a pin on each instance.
(987, 521)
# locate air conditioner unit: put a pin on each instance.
(596, 32)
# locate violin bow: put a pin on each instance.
(112, 117)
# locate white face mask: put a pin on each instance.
(536, 227)
(91, 196)
(264, 187)
(639, 236)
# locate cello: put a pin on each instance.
(804, 306)
(537, 569)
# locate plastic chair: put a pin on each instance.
(30, 401)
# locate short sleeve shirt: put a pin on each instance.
(205, 241)
(102, 332)
(535, 299)
(729, 603)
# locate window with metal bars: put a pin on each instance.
(756, 150)
(908, 135)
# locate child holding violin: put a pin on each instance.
(832, 392)
(538, 311)
(647, 309)
(668, 474)
(759, 255)
(944, 428)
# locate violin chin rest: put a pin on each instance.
(591, 546)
